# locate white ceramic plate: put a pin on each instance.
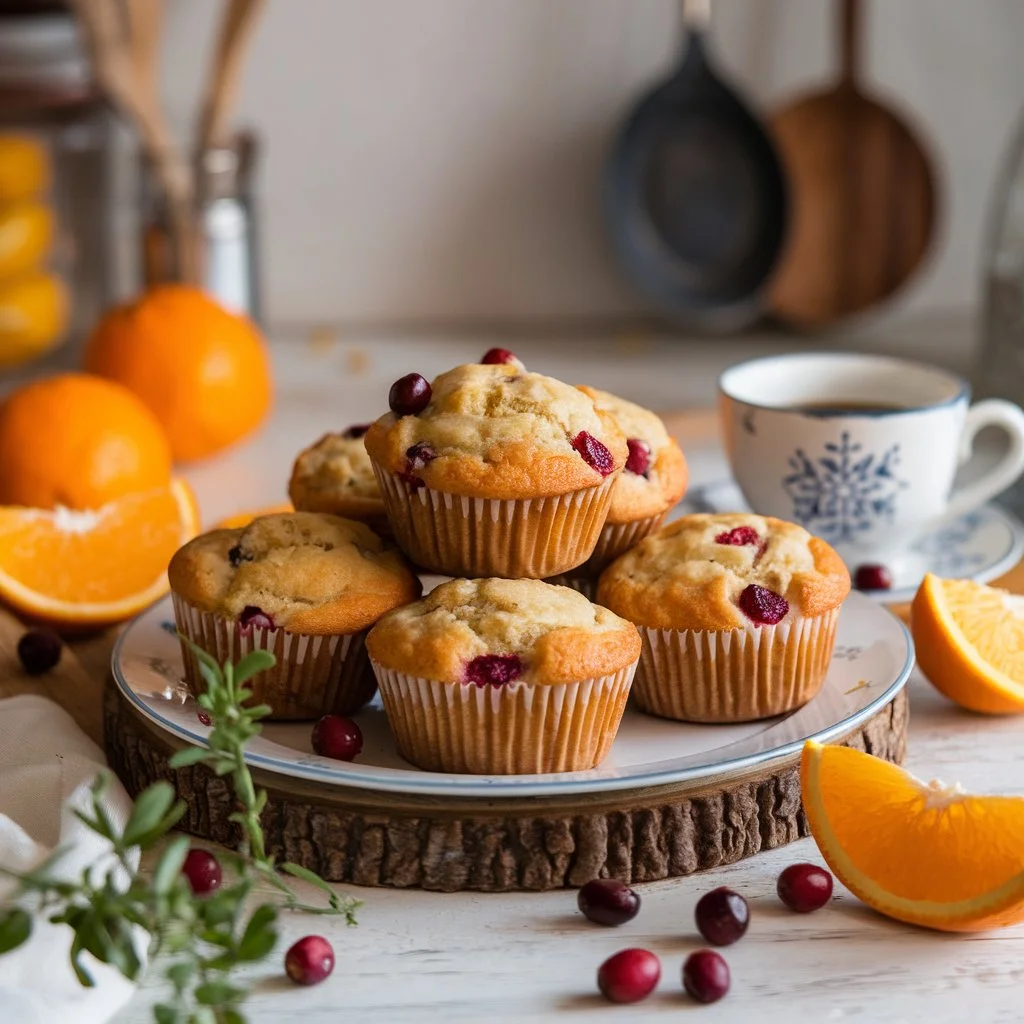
(980, 546)
(873, 658)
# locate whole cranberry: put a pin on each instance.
(608, 901)
(495, 356)
(739, 536)
(722, 916)
(204, 717)
(337, 737)
(356, 431)
(310, 960)
(639, 459)
(594, 453)
(203, 872)
(805, 887)
(409, 395)
(494, 669)
(39, 650)
(872, 577)
(762, 605)
(705, 976)
(629, 976)
(254, 618)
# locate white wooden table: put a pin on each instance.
(425, 957)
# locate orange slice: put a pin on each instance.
(93, 568)
(917, 851)
(243, 519)
(970, 643)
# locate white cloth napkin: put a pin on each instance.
(47, 765)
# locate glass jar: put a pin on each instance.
(57, 143)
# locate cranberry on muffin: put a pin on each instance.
(738, 614)
(497, 472)
(304, 585)
(503, 676)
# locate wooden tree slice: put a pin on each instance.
(531, 843)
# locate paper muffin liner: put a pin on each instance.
(519, 538)
(617, 538)
(313, 676)
(734, 675)
(576, 579)
(517, 729)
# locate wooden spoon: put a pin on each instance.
(863, 195)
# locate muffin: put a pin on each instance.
(652, 481)
(335, 475)
(304, 585)
(493, 471)
(499, 676)
(738, 615)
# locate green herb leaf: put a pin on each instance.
(298, 871)
(252, 664)
(229, 1016)
(260, 935)
(217, 993)
(150, 807)
(180, 974)
(188, 756)
(168, 867)
(165, 1014)
(15, 928)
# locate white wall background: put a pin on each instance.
(439, 160)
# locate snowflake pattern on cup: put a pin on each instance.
(845, 491)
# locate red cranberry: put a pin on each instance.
(629, 976)
(310, 960)
(722, 916)
(805, 887)
(202, 871)
(594, 453)
(337, 737)
(356, 430)
(872, 577)
(639, 459)
(254, 618)
(494, 669)
(39, 650)
(409, 395)
(706, 976)
(608, 901)
(204, 717)
(417, 456)
(762, 605)
(495, 356)
(739, 536)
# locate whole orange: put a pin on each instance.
(205, 372)
(80, 442)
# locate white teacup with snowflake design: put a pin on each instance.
(863, 450)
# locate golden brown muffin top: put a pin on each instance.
(725, 572)
(497, 631)
(655, 475)
(307, 572)
(335, 475)
(497, 431)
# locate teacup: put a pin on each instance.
(862, 450)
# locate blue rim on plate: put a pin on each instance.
(873, 659)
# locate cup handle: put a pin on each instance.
(991, 413)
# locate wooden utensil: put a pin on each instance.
(695, 198)
(236, 32)
(863, 193)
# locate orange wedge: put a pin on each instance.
(93, 568)
(917, 851)
(243, 519)
(970, 643)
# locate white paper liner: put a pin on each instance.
(517, 729)
(617, 538)
(477, 537)
(734, 675)
(314, 675)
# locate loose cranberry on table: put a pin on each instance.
(629, 976)
(608, 901)
(722, 916)
(872, 577)
(310, 960)
(203, 872)
(39, 650)
(497, 356)
(805, 887)
(639, 458)
(594, 453)
(204, 717)
(706, 976)
(337, 737)
(409, 395)
(762, 605)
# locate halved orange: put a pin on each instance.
(970, 643)
(916, 851)
(242, 519)
(93, 568)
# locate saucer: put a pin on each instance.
(981, 545)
